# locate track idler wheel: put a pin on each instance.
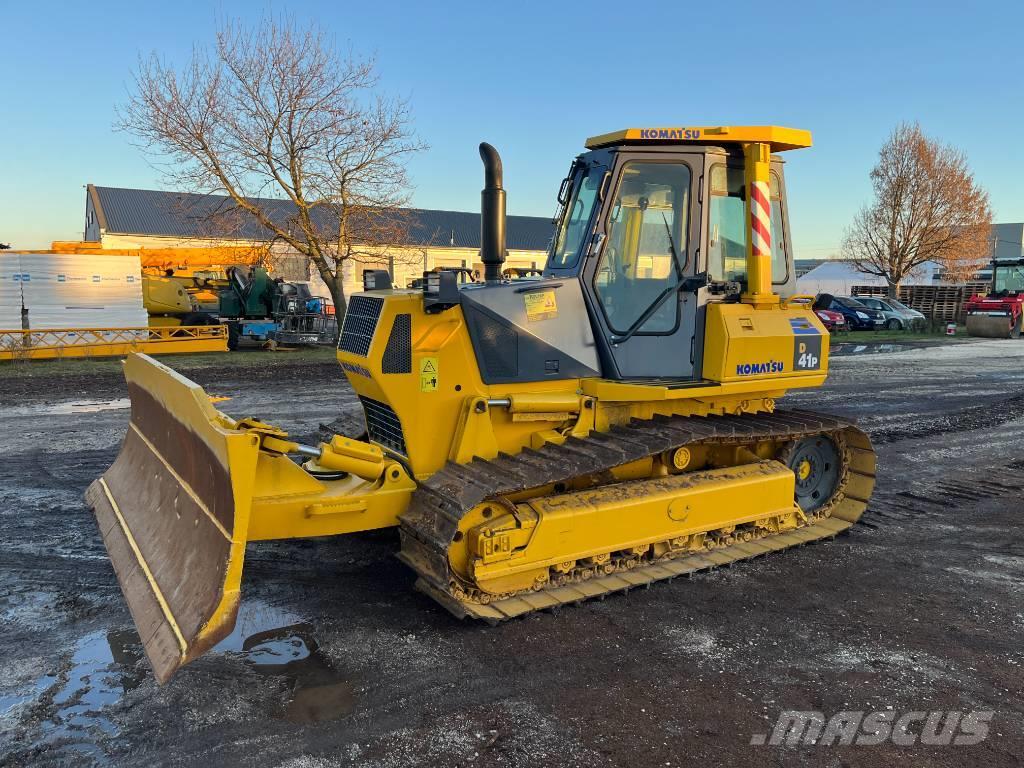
(818, 465)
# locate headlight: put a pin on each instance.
(862, 316)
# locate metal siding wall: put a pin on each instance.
(10, 291)
(92, 224)
(75, 291)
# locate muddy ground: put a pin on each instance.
(336, 660)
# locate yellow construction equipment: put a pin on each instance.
(66, 343)
(537, 441)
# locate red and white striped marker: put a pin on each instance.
(760, 219)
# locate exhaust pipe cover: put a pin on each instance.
(492, 215)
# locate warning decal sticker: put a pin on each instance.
(540, 305)
(428, 374)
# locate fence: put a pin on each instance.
(108, 342)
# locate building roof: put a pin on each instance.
(185, 215)
(1009, 240)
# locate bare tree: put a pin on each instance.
(927, 207)
(277, 111)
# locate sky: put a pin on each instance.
(536, 79)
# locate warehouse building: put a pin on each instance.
(118, 218)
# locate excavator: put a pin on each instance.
(537, 442)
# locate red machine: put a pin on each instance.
(1000, 314)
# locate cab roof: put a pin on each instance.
(778, 137)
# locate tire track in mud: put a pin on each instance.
(975, 417)
(934, 499)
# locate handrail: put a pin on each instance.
(800, 300)
(45, 343)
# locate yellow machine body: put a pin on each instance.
(442, 403)
(165, 300)
(512, 496)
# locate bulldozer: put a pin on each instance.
(537, 442)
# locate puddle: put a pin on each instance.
(102, 669)
(843, 348)
(9, 701)
(106, 665)
(277, 642)
(68, 409)
(90, 406)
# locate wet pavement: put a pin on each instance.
(841, 348)
(336, 660)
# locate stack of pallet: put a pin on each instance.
(878, 291)
(939, 303)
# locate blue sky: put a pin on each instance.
(535, 79)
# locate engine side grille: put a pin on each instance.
(398, 352)
(383, 426)
(360, 324)
(501, 350)
(498, 344)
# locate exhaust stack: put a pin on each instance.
(492, 215)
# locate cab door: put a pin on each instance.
(645, 245)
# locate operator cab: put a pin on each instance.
(653, 225)
(1007, 278)
(633, 229)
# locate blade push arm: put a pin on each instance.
(341, 454)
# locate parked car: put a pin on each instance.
(858, 316)
(897, 316)
(833, 321)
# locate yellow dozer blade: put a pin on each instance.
(174, 512)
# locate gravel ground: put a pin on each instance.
(336, 660)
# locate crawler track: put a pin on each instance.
(429, 526)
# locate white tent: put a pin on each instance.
(839, 278)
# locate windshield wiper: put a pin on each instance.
(683, 283)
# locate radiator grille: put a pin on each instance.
(360, 324)
(383, 426)
(398, 352)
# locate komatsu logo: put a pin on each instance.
(356, 369)
(752, 369)
(669, 133)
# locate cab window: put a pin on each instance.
(780, 267)
(727, 242)
(575, 221)
(646, 246)
(1009, 278)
